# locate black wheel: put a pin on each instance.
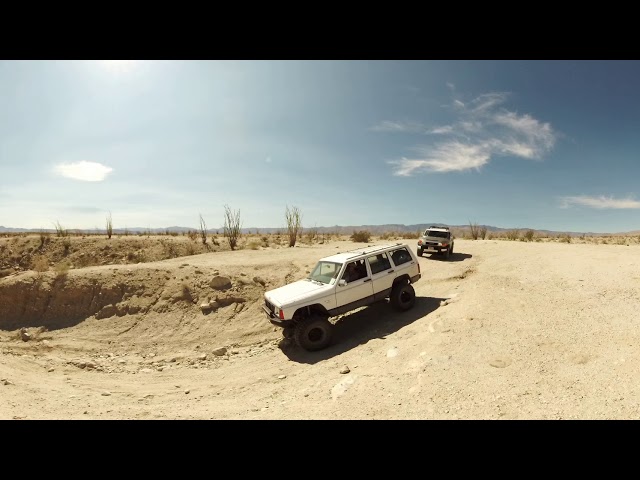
(288, 332)
(403, 297)
(451, 251)
(313, 333)
(447, 252)
(419, 252)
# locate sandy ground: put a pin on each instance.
(504, 330)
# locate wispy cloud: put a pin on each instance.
(599, 202)
(85, 171)
(441, 130)
(484, 129)
(388, 126)
(448, 157)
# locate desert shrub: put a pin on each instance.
(5, 272)
(512, 234)
(62, 269)
(190, 249)
(385, 236)
(482, 233)
(192, 234)
(203, 230)
(565, 238)
(214, 240)
(40, 263)
(265, 241)
(45, 237)
(232, 226)
(528, 235)
(312, 234)
(169, 249)
(66, 244)
(293, 217)
(409, 235)
(253, 245)
(84, 261)
(361, 236)
(474, 230)
(60, 230)
(109, 225)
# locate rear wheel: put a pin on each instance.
(403, 297)
(313, 333)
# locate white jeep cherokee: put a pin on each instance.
(341, 283)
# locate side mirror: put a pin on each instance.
(342, 282)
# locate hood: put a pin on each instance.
(293, 292)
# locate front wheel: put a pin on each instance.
(419, 252)
(403, 297)
(313, 333)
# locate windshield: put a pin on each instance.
(435, 233)
(325, 272)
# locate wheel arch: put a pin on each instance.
(308, 310)
(401, 280)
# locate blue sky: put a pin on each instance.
(514, 144)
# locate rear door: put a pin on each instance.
(382, 274)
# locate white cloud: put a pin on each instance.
(448, 157)
(484, 129)
(441, 130)
(388, 126)
(600, 202)
(85, 171)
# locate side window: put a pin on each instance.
(379, 263)
(355, 271)
(401, 256)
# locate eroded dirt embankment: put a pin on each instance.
(57, 301)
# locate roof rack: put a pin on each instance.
(439, 226)
(357, 253)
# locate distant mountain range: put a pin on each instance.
(343, 230)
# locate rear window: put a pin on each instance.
(400, 256)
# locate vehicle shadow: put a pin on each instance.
(357, 328)
(454, 257)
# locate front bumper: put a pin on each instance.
(275, 320)
(433, 248)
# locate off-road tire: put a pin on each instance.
(447, 253)
(403, 297)
(313, 333)
(288, 332)
(420, 251)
